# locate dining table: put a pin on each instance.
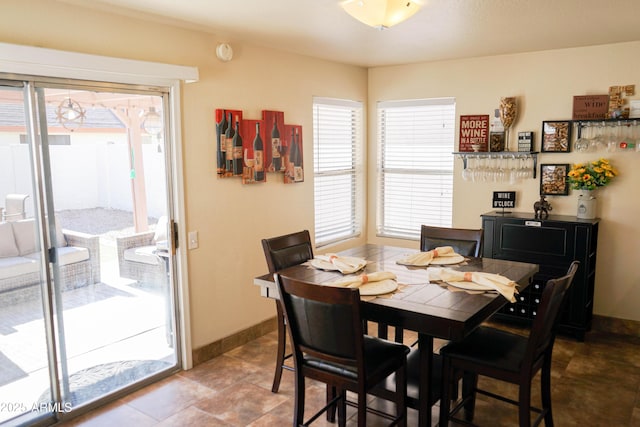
(419, 304)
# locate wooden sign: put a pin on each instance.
(590, 107)
(474, 133)
(504, 199)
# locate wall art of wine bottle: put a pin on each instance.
(253, 144)
(293, 158)
(225, 129)
(250, 149)
(274, 131)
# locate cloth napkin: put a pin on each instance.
(506, 287)
(425, 258)
(357, 281)
(346, 265)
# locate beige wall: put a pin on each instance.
(232, 218)
(545, 83)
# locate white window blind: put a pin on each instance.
(416, 142)
(337, 142)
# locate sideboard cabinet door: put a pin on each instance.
(553, 243)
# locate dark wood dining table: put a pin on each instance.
(431, 310)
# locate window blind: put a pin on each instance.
(337, 143)
(416, 142)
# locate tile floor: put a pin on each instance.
(595, 383)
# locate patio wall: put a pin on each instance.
(86, 176)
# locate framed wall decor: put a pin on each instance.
(556, 136)
(553, 179)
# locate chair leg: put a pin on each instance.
(524, 404)
(298, 411)
(545, 385)
(469, 386)
(401, 396)
(362, 409)
(342, 408)
(331, 411)
(445, 387)
(282, 345)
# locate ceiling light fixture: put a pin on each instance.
(381, 13)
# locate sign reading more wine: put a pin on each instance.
(474, 133)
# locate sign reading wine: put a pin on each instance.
(474, 133)
(250, 148)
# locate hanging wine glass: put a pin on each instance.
(582, 143)
(507, 116)
(597, 139)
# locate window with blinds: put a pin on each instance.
(416, 142)
(337, 143)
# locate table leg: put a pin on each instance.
(425, 344)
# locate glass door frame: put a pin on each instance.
(36, 121)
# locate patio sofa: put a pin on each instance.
(20, 277)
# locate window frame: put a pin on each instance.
(391, 153)
(326, 167)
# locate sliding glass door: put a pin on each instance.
(86, 248)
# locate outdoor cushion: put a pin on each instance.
(17, 266)
(72, 254)
(161, 229)
(24, 232)
(8, 246)
(143, 254)
(66, 255)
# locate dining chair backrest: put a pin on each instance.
(288, 250)
(324, 322)
(466, 242)
(543, 327)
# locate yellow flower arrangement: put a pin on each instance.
(589, 176)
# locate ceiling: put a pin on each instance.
(442, 29)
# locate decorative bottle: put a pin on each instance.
(292, 156)
(258, 155)
(237, 150)
(275, 146)
(229, 145)
(222, 145)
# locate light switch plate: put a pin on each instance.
(193, 240)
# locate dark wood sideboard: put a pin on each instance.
(553, 243)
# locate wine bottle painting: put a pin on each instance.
(225, 129)
(253, 137)
(251, 149)
(294, 171)
(274, 131)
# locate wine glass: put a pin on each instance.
(597, 139)
(582, 143)
(249, 163)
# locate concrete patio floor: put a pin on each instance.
(112, 321)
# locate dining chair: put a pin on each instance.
(466, 242)
(508, 357)
(282, 252)
(329, 345)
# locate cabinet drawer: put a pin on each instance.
(547, 244)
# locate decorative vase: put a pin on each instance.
(586, 204)
(508, 113)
